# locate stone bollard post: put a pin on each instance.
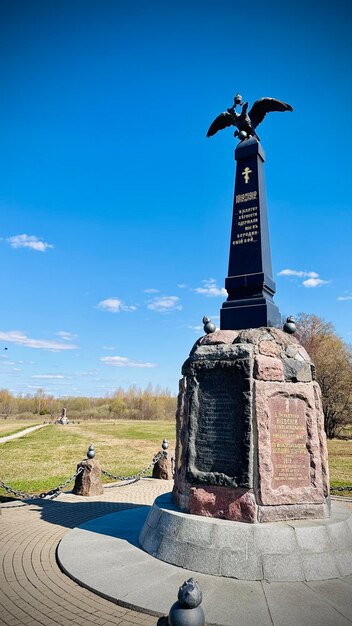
(88, 482)
(187, 610)
(163, 468)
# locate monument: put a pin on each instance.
(63, 419)
(251, 469)
(249, 390)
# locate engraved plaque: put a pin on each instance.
(288, 436)
(221, 427)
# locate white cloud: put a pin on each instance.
(151, 290)
(108, 347)
(18, 337)
(211, 289)
(298, 273)
(123, 361)
(49, 376)
(314, 282)
(312, 278)
(341, 298)
(28, 241)
(165, 304)
(114, 305)
(196, 329)
(182, 286)
(65, 335)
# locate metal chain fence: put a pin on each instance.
(135, 477)
(52, 493)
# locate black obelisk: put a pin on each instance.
(249, 284)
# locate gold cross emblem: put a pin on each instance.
(246, 172)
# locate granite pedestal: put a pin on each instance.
(276, 551)
(250, 440)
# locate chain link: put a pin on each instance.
(345, 488)
(52, 493)
(139, 475)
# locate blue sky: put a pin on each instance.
(115, 209)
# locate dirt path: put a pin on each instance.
(26, 431)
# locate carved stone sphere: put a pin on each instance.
(91, 452)
(290, 326)
(209, 327)
(180, 616)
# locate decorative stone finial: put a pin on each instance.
(290, 325)
(91, 452)
(209, 327)
(165, 444)
(186, 611)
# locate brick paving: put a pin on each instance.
(33, 590)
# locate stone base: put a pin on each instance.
(88, 482)
(224, 502)
(250, 440)
(240, 505)
(276, 551)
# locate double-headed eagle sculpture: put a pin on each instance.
(247, 121)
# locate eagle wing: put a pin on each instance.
(263, 106)
(221, 121)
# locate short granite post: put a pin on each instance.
(88, 482)
(162, 469)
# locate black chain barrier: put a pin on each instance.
(52, 493)
(135, 477)
(345, 488)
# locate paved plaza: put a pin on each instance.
(34, 591)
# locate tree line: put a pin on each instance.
(136, 404)
(331, 356)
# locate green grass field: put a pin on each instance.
(9, 427)
(47, 457)
(340, 463)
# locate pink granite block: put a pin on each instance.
(269, 348)
(269, 368)
(289, 456)
(224, 502)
